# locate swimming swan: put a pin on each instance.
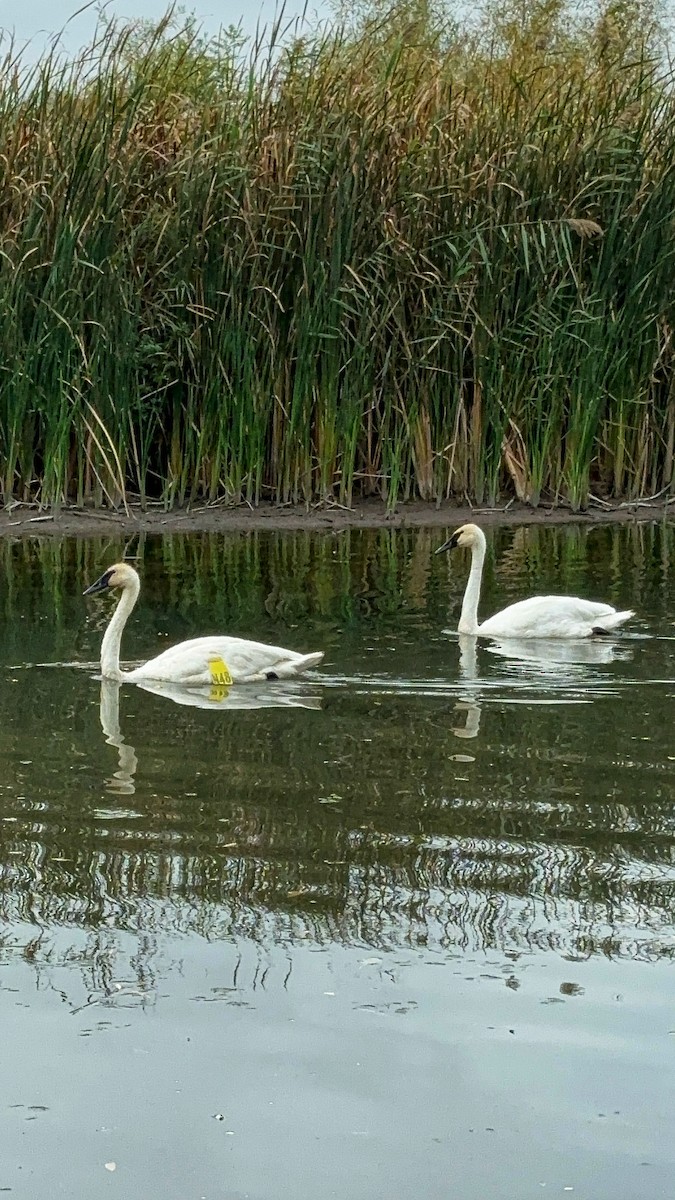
(538, 617)
(199, 661)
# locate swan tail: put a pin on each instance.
(612, 621)
(297, 666)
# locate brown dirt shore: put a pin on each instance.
(25, 521)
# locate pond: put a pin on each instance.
(402, 929)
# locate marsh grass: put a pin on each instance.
(386, 260)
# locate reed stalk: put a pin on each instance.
(388, 259)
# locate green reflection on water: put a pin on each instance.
(413, 792)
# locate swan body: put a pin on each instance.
(198, 662)
(537, 617)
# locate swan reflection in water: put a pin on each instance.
(265, 696)
(549, 656)
(122, 782)
(468, 673)
(552, 663)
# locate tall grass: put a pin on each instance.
(380, 261)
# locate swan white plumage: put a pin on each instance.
(199, 661)
(538, 617)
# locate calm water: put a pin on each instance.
(405, 930)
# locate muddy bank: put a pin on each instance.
(26, 521)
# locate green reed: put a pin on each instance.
(364, 263)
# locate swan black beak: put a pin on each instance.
(100, 585)
(451, 543)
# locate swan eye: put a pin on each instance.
(101, 584)
(451, 543)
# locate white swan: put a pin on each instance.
(199, 661)
(538, 617)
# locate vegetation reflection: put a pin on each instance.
(351, 813)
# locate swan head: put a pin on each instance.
(466, 535)
(121, 575)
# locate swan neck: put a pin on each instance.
(110, 647)
(468, 621)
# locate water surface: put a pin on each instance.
(402, 928)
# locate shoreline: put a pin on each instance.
(27, 521)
